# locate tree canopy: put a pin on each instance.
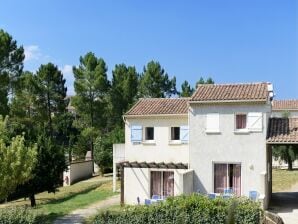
(11, 66)
(17, 160)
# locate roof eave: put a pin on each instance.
(229, 101)
(153, 115)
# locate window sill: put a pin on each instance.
(212, 131)
(242, 131)
(149, 142)
(175, 142)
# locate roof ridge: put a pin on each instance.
(237, 83)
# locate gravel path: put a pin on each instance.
(78, 216)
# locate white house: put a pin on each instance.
(218, 138)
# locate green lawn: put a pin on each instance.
(69, 198)
(283, 180)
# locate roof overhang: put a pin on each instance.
(282, 131)
(226, 101)
(154, 115)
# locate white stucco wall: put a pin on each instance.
(161, 150)
(78, 171)
(227, 147)
(137, 183)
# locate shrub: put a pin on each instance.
(194, 209)
(18, 215)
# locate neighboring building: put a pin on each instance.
(281, 108)
(217, 139)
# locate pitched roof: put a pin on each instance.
(285, 104)
(282, 130)
(159, 106)
(231, 92)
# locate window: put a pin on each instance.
(212, 122)
(175, 133)
(149, 133)
(240, 121)
(227, 176)
(162, 183)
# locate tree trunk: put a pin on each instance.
(290, 163)
(32, 200)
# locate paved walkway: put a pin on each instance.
(285, 204)
(78, 216)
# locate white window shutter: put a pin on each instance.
(212, 122)
(255, 121)
(184, 134)
(136, 133)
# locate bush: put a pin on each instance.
(194, 209)
(18, 215)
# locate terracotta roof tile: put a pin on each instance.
(155, 106)
(285, 104)
(283, 130)
(231, 92)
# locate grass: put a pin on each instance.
(283, 180)
(69, 198)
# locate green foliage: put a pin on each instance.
(155, 82)
(50, 165)
(11, 66)
(247, 212)
(123, 92)
(194, 209)
(202, 81)
(16, 161)
(286, 153)
(187, 91)
(50, 92)
(103, 148)
(91, 86)
(18, 215)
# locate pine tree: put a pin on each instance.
(187, 91)
(11, 66)
(91, 87)
(155, 82)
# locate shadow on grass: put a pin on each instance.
(50, 217)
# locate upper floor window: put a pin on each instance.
(149, 133)
(175, 133)
(249, 122)
(241, 121)
(212, 122)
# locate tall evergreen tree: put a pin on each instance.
(11, 66)
(50, 94)
(91, 87)
(123, 92)
(155, 82)
(187, 91)
(39, 107)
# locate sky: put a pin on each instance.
(231, 41)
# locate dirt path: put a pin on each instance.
(78, 216)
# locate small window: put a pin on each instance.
(175, 133)
(241, 121)
(149, 133)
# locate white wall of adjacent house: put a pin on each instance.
(281, 113)
(137, 183)
(226, 145)
(161, 148)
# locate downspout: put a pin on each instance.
(188, 118)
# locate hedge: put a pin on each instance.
(194, 209)
(18, 215)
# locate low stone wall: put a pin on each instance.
(77, 171)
